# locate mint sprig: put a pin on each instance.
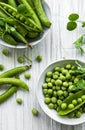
(72, 24)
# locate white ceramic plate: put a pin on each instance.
(52, 113)
(36, 40)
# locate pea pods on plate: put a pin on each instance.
(69, 105)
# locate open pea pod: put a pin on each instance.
(68, 101)
(12, 12)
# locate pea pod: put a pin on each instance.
(14, 71)
(68, 101)
(33, 14)
(12, 12)
(41, 13)
(9, 39)
(14, 81)
(7, 94)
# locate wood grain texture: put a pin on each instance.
(58, 44)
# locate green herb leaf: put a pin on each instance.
(80, 85)
(21, 8)
(79, 42)
(83, 24)
(73, 17)
(71, 25)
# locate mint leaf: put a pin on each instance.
(73, 17)
(71, 25)
(79, 42)
(78, 86)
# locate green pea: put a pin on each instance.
(6, 52)
(63, 106)
(65, 93)
(78, 114)
(53, 81)
(62, 68)
(54, 87)
(49, 74)
(51, 105)
(80, 109)
(1, 67)
(65, 84)
(49, 85)
(76, 80)
(50, 91)
(27, 75)
(47, 100)
(20, 59)
(70, 93)
(56, 73)
(54, 93)
(53, 99)
(45, 91)
(74, 102)
(70, 83)
(57, 69)
(48, 79)
(19, 100)
(63, 88)
(57, 87)
(70, 106)
(61, 97)
(68, 76)
(39, 58)
(83, 97)
(79, 100)
(62, 78)
(35, 112)
(70, 87)
(64, 72)
(55, 76)
(44, 86)
(71, 115)
(59, 92)
(73, 67)
(55, 106)
(68, 66)
(59, 102)
(58, 82)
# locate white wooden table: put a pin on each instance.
(57, 45)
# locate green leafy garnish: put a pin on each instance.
(71, 25)
(79, 43)
(73, 17)
(79, 85)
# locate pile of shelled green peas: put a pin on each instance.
(57, 87)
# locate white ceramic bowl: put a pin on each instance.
(52, 113)
(36, 40)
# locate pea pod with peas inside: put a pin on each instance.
(79, 97)
(28, 23)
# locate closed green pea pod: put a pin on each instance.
(14, 71)
(41, 13)
(14, 81)
(7, 94)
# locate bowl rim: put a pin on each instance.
(33, 43)
(42, 106)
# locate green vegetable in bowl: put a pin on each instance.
(66, 92)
